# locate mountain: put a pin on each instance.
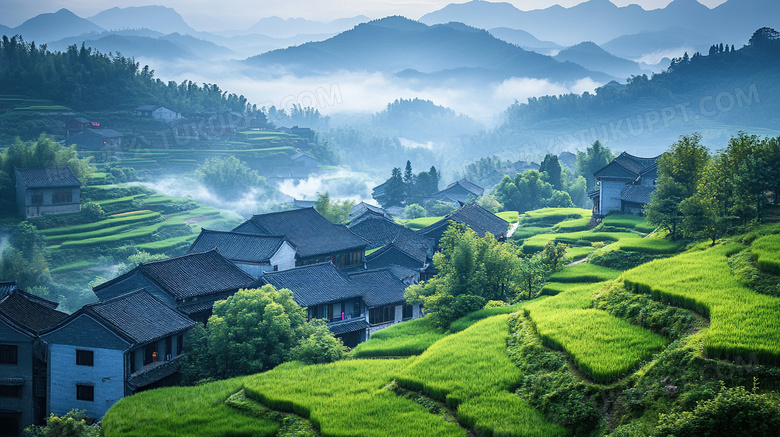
(158, 18)
(397, 44)
(593, 57)
(54, 26)
(252, 44)
(281, 28)
(601, 21)
(525, 40)
(671, 41)
(145, 43)
(4, 30)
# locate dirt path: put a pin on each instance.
(512, 229)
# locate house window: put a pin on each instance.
(276, 268)
(179, 344)
(62, 196)
(85, 392)
(356, 308)
(85, 358)
(8, 354)
(36, 197)
(132, 362)
(149, 352)
(381, 315)
(10, 422)
(10, 391)
(169, 348)
(408, 312)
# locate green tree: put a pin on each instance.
(553, 257)
(414, 211)
(552, 167)
(577, 191)
(679, 172)
(533, 191)
(394, 190)
(25, 258)
(559, 199)
(320, 347)
(333, 210)
(531, 274)
(591, 160)
(230, 177)
(506, 193)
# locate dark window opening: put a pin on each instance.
(85, 358)
(132, 362)
(381, 315)
(62, 196)
(10, 424)
(179, 344)
(356, 309)
(169, 348)
(8, 354)
(85, 392)
(10, 391)
(149, 353)
(408, 312)
(36, 197)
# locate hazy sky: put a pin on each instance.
(240, 14)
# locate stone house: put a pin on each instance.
(460, 191)
(475, 217)
(47, 191)
(252, 253)
(624, 185)
(157, 112)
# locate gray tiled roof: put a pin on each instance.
(106, 133)
(380, 231)
(47, 177)
(6, 287)
(236, 246)
(626, 166)
(350, 326)
(379, 287)
(472, 215)
(28, 312)
(636, 193)
(310, 233)
(362, 208)
(139, 317)
(314, 284)
(393, 255)
(154, 372)
(194, 274)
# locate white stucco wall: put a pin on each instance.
(284, 257)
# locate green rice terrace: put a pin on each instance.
(639, 326)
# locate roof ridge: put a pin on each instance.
(173, 258)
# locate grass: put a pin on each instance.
(523, 232)
(510, 216)
(91, 234)
(651, 246)
(625, 221)
(766, 251)
(579, 252)
(472, 318)
(584, 273)
(551, 216)
(348, 398)
(742, 322)
(119, 200)
(400, 340)
(139, 216)
(602, 346)
(537, 242)
(572, 225)
(167, 244)
(78, 265)
(176, 411)
(471, 370)
(123, 237)
(422, 222)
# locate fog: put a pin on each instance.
(342, 184)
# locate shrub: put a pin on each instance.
(73, 424)
(414, 211)
(321, 346)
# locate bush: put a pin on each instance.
(321, 347)
(733, 412)
(73, 424)
(414, 211)
(92, 211)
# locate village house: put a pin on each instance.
(157, 112)
(47, 191)
(315, 239)
(304, 160)
(475, 217)
(363, 208)
(252, 253)
(23, 317)
(408, 253)
(458, 192)
(79, 124)
(107, 141)
(111, 349)
(624, 185)
(353, 305)
(190, 283)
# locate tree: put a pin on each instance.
(559, 199)
(553, 257)
(531, 274)
(72, 424)
(408, 178)
(763, 36)
(577, 193)
(414, 211)
(24, 259)
(533, 191)
(552, 167)
(333, 210)
(394, 190)
(230, 177)
(320, 347)
(591, 160)
(679, 172)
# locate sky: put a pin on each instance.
(215, 15)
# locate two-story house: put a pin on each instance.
(252, 253)
(47, 191)
(624, 185)
(475, 217)
(353, 305)
(111, 349)
(23, 317)
(315, 239)
(190, 283)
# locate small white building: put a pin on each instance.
(624, 185)
(47, 191)
(157, 112)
